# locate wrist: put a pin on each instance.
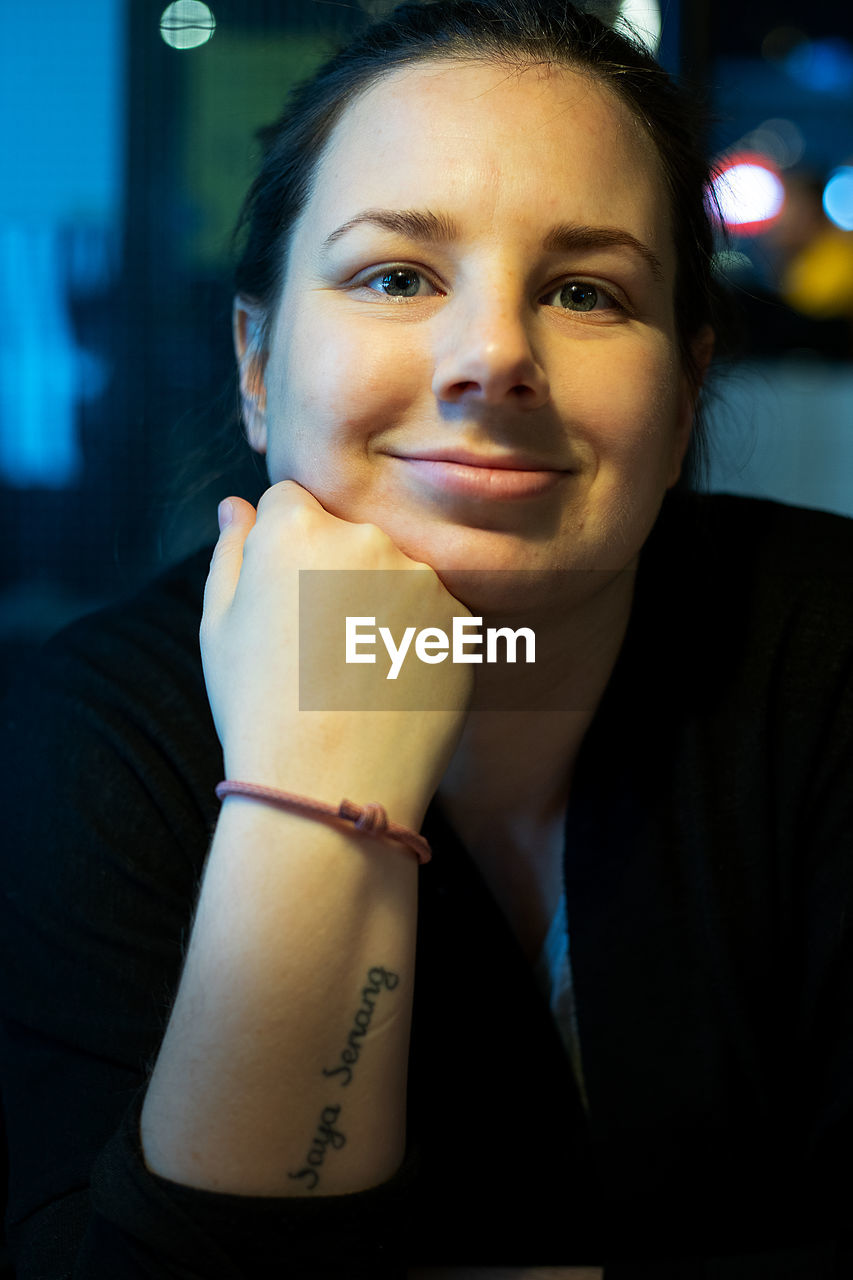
(370, 819)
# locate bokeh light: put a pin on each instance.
(749, 193)
(838, 198)
(824, 66)
(642, 20)
(781, 41)
(186, 24)
(780, 140)
(731, 262)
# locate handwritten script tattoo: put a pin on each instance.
(377, 979)
(325, 1137)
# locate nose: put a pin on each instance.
(487, 356)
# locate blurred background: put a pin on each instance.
(126, 134)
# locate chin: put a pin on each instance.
(522, 595)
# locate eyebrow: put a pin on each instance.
(439, 228)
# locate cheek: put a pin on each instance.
(345, 374)
(331, 390)
(311, 367)
(632, 430)
(636, 416)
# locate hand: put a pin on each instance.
(250, 651)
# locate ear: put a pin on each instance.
(702, 351)
(247, 326)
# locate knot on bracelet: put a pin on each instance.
(370, 818)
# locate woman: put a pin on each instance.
(475, 308)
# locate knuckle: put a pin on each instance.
(369, 535)
(284, 508)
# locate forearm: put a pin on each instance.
(283, 1068)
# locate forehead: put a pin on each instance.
(521, 147)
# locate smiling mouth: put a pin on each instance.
(483, 477)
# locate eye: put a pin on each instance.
(399, 282)
(580, 295)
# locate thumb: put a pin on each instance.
(236, 519)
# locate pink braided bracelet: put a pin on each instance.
(369, 818)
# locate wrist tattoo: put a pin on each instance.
(327, 1134)
(378, 979)
(325, 1137)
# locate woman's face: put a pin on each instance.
(475, 345)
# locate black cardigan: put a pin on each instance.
(708, 872)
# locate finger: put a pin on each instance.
(236, 519)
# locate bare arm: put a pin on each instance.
(299, 928)
(283, 1068)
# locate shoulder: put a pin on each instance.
(748, 598)
(133, 637)
(136, 656)
(757, 533)
(731, 554)
(108, 727)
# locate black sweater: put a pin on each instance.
(708, 873)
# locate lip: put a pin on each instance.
(500, 478)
